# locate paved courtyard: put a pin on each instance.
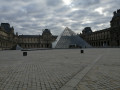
(60, 69)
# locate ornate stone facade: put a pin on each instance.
(37, 41)
(7, 37)
(109, 37)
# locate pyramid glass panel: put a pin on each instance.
(69, 39)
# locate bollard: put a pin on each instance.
(82, 51)
(24, 53)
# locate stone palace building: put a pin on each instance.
(109, 37)
(37, 41)
(8, 39)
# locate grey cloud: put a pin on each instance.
(31, 16)
(53, 3)
(84, 3)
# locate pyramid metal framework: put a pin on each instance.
(67, 38)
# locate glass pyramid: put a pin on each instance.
(68, 38)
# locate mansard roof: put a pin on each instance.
(116, 13)
(46, 31)
(29, 36)
(6, 27)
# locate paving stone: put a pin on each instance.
(52, 69)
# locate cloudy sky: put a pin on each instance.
(32, 16)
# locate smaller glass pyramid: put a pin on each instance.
(68, 38)
(16, 47)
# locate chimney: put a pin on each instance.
(118, 11)
(16, 33)
(114, 13)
